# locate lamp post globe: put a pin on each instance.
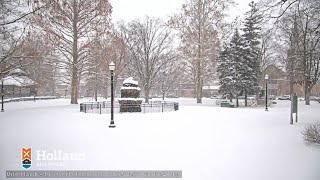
(112, 67)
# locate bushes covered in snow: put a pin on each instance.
(311, 133)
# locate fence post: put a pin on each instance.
(100, 108)
(85, 108)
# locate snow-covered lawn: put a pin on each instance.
(205, 142)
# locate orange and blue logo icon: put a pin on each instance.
(26, 157)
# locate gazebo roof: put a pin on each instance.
(17, 72)
(21, 81)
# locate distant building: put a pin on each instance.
(209, 91)
(187, 90)
(278, 83)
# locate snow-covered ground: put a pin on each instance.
(206, 142)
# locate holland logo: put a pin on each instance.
(26, 157)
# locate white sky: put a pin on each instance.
(132, 9)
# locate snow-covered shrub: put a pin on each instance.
(311, 133)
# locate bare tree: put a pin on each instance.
(103, 52)
(118, 53)
(72, 26)
(299, 24)
(38, 60)
(149, 43)
(308, 17)
(169, 76)
(200, 24)
(13, 12)
(9, 56)
(267, 49)
(276, 9)
(12, 35)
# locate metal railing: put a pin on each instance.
(31, 98)
(151, 107)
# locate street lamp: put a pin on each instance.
(112, 67)
(2, 94)
(266, 78)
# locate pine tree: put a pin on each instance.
(226, 73)
(231, 67)
(237, 56)
(252, 49)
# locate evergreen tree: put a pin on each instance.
(231, 67)
(252, 51)
(226, 73)
(237, 55)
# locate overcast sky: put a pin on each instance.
(132, 9)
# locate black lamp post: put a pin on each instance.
(2, 94)
(266, 78)
(112, 67)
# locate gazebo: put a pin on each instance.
(18, 84)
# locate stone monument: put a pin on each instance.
(130, 100)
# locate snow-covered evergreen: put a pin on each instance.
(239, 62)
(232, 68)
(251, 36)
(225, 70)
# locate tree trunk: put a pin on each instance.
(96, 94)
(74, 86)
(199, 99)
(199, 90)
(105, 94)
(146, 95)
(115, 85)
(237, 101)
(306, 68)
(74, 79)
(199, 86)
(78, 94)
(291, 92)
(163, 91)
(245, 98)
(53, 89)
(53, 84)
(96, 88)
(307, 95)
(257, 95)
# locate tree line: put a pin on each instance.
(73, 42)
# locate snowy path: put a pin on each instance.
(204, 142)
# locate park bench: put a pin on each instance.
(226, 103)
